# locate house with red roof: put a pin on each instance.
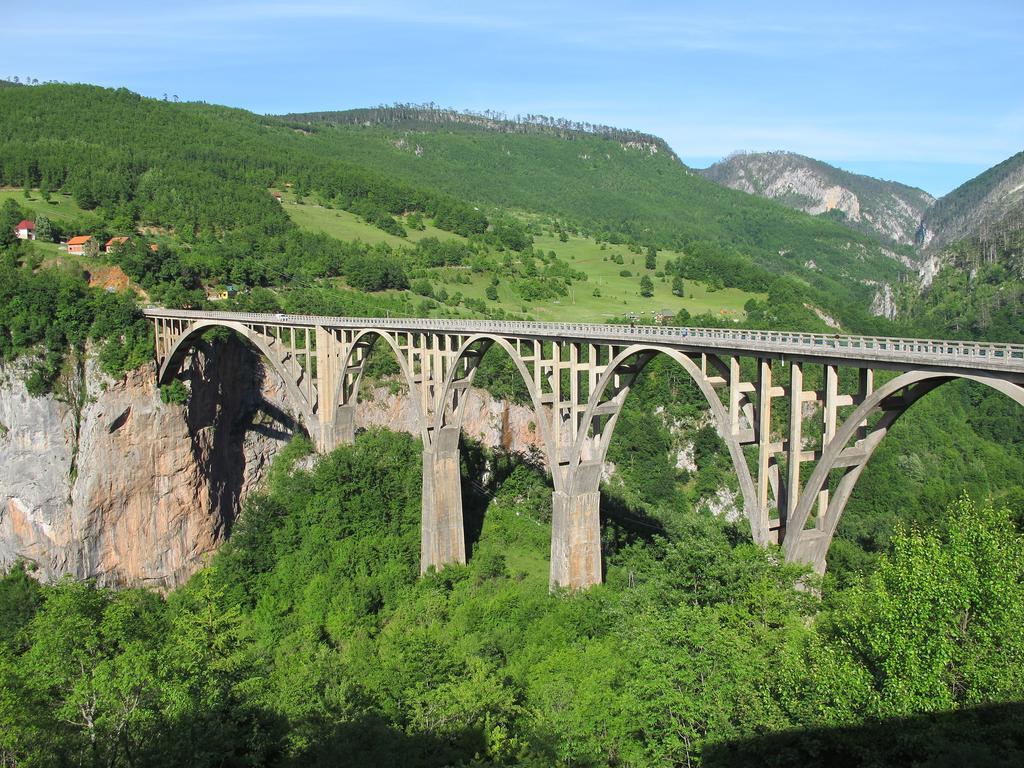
(25, 230)
(114, 243)
(79, 243)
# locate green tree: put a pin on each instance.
(677, 286)
(93, 659)
(646, 286)
(44, 229)
(651, 260)
(939, 626)
(491, 292)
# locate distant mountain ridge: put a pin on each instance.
(885, 208)
(969, 243)
(411, 115)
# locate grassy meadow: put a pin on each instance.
(605, 293)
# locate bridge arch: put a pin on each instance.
(320, 360)
(472, 351)
(346, 393)
(893, 399)
(587, 482)
(172, 361)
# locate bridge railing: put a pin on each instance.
(895, 349)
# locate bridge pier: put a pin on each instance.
(328, 435)
(443, 534)
(343, 428)
(575, 539)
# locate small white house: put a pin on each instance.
(25, 230)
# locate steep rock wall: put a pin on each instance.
(108, 482)
(494, 423)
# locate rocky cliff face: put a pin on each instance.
(882, 207)
(107, 482)
(494, 423)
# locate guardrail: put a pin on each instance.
(960, 354)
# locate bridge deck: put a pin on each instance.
(877, 351)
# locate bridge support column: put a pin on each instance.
(339, 431)
(575, 539)
(443, 536)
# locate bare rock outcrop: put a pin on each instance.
(884, 302)
(108, 482)
(494, 423)
(883, 207)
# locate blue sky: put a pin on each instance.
(928, 93)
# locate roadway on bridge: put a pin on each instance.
(1006, 360)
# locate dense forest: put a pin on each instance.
(310, 639)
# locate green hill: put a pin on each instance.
(991, 202)
(972, 271)
(621, 187)
(203, 173)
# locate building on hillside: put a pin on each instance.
(79, 244)
(664, 317)
(277, 196)
(114, 243)
(220, 293)
(154, 247)
(25, 230)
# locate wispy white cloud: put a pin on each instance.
(392, 12)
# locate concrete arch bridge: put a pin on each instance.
(797, 449)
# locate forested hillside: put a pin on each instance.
(621, 190)
(202, 173)
(973, 259)
(989, 203)
(310, 640)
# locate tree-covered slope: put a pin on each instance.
(623, 187)
(202, 173)
(973, 259)
(311, 640)
(988, 204)
(885, 208)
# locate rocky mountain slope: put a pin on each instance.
(886, 208)
(983, 207)
(969, 244)
(107, 482)
(972, 259)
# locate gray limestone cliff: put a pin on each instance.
(105, 481)
(885, 208)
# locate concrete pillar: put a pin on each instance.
(575, 539)
(344, 427)
(443, 536)
(339, 431)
